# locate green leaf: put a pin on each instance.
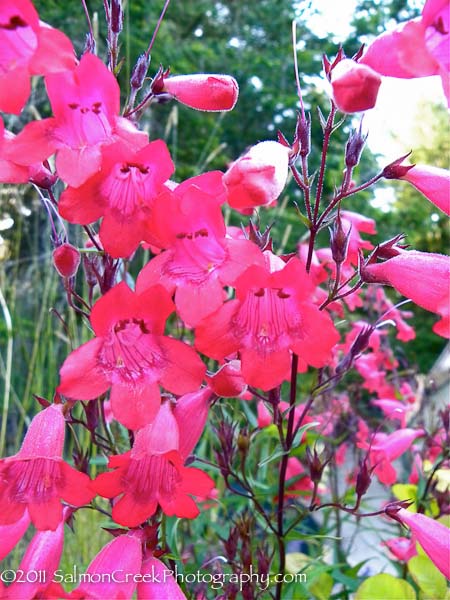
(321, 586)
(385, 587)
(296, 562)
(428, 577)
(296, 441)
(406, 491)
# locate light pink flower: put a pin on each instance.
(433, 182)
(355, 86)
(204, 91)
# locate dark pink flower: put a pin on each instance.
(11, 534)
(203, 91)
(122, 192)
(434, 537)
(158, 582)
(421, 276)
(86, 104)
(258, 177)
(433, 183)
(355, 86)
(29, 47)
(37, 478)
(417, 48)
(271, 317)
(402, 548)
(131, 356)
(152, 474)
(199, 259)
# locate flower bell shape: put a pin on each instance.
(434, 537)
(258, 177)
(122, 192)
(66, 259)
(29, 47)
(421, 276)
(42, 556)
(152, 474)
(158, 582)
(355, 86)
(203, 91)
(417, 48)
(433, 183)
(37, 478)
(272, 316)
(131, 356)
(121, 559)
(199, 259)
(86, 104)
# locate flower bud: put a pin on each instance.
(354, 147)
(363, 478)
(204, 91)
(116, 16)
(66, 259)
(139, 72)
(355, 86)
(339, 241)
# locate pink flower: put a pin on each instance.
(258, 177)
(203, 91)
(86, 103)
(393, 409)
(66, 259)
(152, 474)
(402, 548)
(421, 276)
(29, 47)
(433, 183)
(271, 317)
(434, 537)
(121, 558)
(131, 356)
(42, 556)
(355, 86)
(158, 582)
(199, 259)
(228, 381)
(417, 48)
(37, 478)
(11, 534)
(122, 192)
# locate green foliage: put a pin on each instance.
(385, 586)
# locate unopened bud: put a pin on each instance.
(139, 72)
(363, 478)
(339, 241)
(116, 16)
(66, 259)
(303, 134)
(243, 441)
(316, 465)
(354, 147)
(355, 86)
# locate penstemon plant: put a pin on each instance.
(232, 404)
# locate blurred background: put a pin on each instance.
(251, 41)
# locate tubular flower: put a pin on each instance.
(199, 259)
(433, 183)
(203, 91)
(85, 103)
(417, 48)
(122, 192)
(434, 537)
(29, 47)
(131, 356)
(11, 534)
(120, 557)
(421, 276)
(152, 474)
(37, 478)
(159, 582)
(355, 86)
(271, 317)
(258, 177)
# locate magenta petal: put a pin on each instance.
(54, 52)
(81, 205)
(157, 584)
(117, 304)
(14, 90)
(76, 490)
(81, 379)
(130, 512)
(213, 336)
(121, 239)
(265, 371)
(109, 485)
(46, 515)
(135, 405)
(33, 144)
(45, 435)
(185, 370)
(195, 302)
(76, 165)
(11, 534)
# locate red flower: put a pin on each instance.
(271, 317)
(417, 48)
(86, 103)
(421, 276)
(66, 259)
(122, 192)
(199, 259)
(37, 478)
(258, 177)
(131, 356)
(152, 474)
(29, 47)
(204, 91)
(355, 86)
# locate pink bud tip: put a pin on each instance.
(203, 91)
(355, 86)
(66, 259)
